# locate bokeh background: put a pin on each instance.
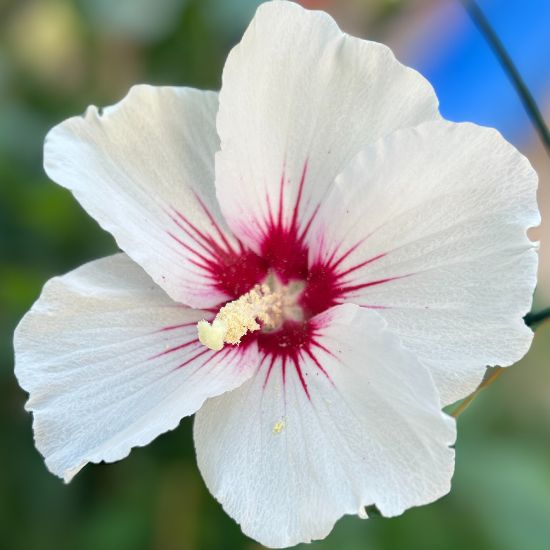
(58, 56)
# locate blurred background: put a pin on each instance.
(58, 56)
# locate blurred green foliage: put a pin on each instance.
(58, 56)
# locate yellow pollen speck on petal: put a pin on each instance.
(279, 427)
(237, 318)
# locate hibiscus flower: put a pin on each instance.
(314, 262)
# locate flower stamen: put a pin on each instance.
(235, 319)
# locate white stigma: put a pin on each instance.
(237, 318)
(212, 335)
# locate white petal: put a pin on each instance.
(429, 226)
(144, 169)
(299, 99)
(111, 362)
(286, 466)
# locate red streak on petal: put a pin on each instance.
(360, 265)
(196, 356)
(175, 348)
(296, 361)
(317, 363)
(281, 199)
(307, 226)
(284, 359)
(353, 288)
(269, 369)
(324, 348)
(174, 327)
(192, 250)
(220, 233)
(294, 222)
(219, 356)
(366, 306)
(346, 254)
(285, 345)
(208, 243)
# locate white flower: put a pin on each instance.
(392, 250)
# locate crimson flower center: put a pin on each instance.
(282, 293)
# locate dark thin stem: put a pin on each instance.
(492, 374)
(535, 318)
(490, 377)
(507, 64)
